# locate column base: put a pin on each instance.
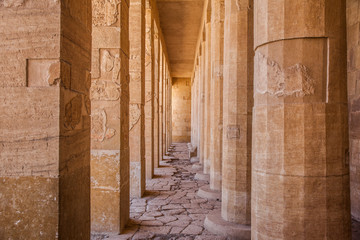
(194, 160)
(202, 176)
(196, 167)
(216, 224)
(208, 193)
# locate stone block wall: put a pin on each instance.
(181, 110)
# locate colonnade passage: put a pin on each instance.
(173, 119)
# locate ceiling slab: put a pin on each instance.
(180, 22)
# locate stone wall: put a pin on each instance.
(181, 110)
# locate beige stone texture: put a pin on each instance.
(202, 102)
(45, 120)
(208, 92)
(300, 168)
(216, 100)
(149, 91)
(137, 97)
(181, 110)
(156, 96)
(109, 96)
(237, 112)
(161, 101)
(353, 53)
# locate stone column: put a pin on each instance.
(137, 97)
(165, 82)
(156, 97)
(161, 81)
(110, 121)
(207, 93)
(237, 116)
(202, 102)
(45, 119)
(217, 48)
(212, 191)
(300, 174)
(353, 23)
(149, 92)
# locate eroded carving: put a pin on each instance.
(73, 112)
(99, 130)
(273, 80)
(11, 3)
(105, 12)
(233, 132)
(110, 63)
(135, 114)
(104, 91)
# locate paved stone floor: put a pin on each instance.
(171, 209)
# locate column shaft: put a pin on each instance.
(110, 123)
(237, 111)
(149, 93)
(216, 101)
(156, 99)
(300, 175)
(137, 97)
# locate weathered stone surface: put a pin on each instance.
(181, 113)
(301, 108)
(109, 96)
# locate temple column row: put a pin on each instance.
(278, 99)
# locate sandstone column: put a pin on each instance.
(161, 102)
(137, 97)
(353, 22)
(237, 115)
(207, 92)
(164, 104)
(300, 174)
(216, 103)
(202, 102)
(45, 119)
(156, 97)
(212, 191)
(110, 121)
(149, 92)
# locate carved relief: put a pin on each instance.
(73, 112)
(66, 75)
(11, 3)
(135, 114)
(99, 130)
(273, 80)
(233, 132)
(43, 72)
(104, 91)
(110, 63)
(105, 12)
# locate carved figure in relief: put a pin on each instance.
(110, 63)
(104, 91)
(134, 115)
(73, 112)
(105, 12)
(273, 80)
(99, 130)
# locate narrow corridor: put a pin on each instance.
(170, 208)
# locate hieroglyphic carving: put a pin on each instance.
(110, 63)
(135, 114)
(65, 75)
(11, 3)
(105, 12)
(232, 132)
(99, 130)
(73, 112)
(273, 80)
(104, 91)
